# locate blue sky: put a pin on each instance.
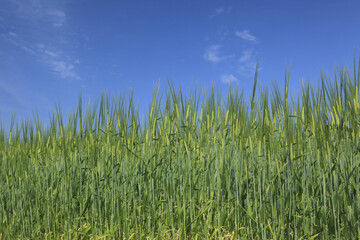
(52, 50)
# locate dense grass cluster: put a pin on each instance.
(198, 167)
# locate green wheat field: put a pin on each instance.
(204, 166)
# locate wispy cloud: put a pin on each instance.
(58, 62)
(14, 93)
(51, 53)
(56, 13)
(228, 78)
(246, 56)
(37, 12)
(14, 39)
(222, 32)
(247, 69)
(246, 35)
(15, 97)
(13, 34)
(220, 10)
(212, 54)
(64, 69)
(247, 63)
(25, 8)
(58, 17)
(48, 19)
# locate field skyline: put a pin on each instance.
(52, 50)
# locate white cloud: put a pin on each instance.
(56, 13)
(51, 53)
(18, 98)
(44, 17)
(228, 78)
(246, 36)
(14, 91)
(28, 8)
(59, 63)
(55, 60)
(14, 39)
(248, 69)
(40, 45)
(13, 34)
(219, 10)
(246, 56)
(36, 12)
(212, 54)
(247, 63)
(58, 17)
(64, 69)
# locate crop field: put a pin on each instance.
(267, 166)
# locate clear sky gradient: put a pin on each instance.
(52, 50)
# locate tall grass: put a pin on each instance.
(199, 168)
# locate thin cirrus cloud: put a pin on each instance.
(58, 62)
(246, 35)
(13, 97)
(45, 50)
(212, 54)
(220, 10)
(248, 69)
(246, 56)
(247, 63)
(14, 39)
(58, 17)
(228, 78)
(64, 69)
(34, 10)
